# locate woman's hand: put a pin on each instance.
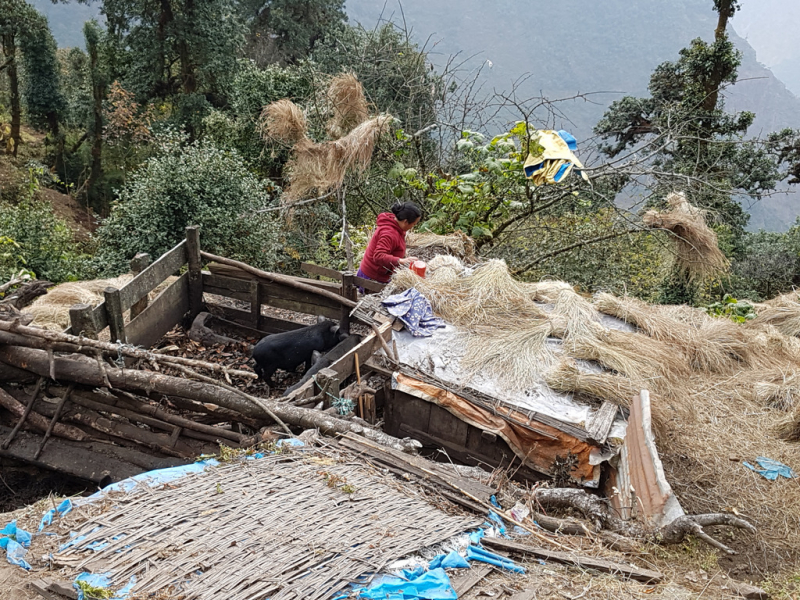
(405, 262)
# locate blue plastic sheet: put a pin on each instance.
(479, 554)
(59, 510)
(103, 580)
(431, 585)
(15, 541)
(771, 469)
(157, 477)
(452, 561)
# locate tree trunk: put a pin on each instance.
(88, 372)
(98, 95)
(725, 9)
(10, 51)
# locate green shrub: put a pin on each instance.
(189, 184)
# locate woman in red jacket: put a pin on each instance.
(387, 248)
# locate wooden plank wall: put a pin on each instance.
(161, 315)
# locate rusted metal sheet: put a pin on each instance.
(540, 446)
(638, 486)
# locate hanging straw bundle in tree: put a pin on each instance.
(697, 252)
(284, 122)
(349, 106)
(322, 167)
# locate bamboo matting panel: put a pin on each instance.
(277, 527)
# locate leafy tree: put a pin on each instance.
(697, 146)
(24, 29)
(189, 184)
(394, 71)
(180, 49)
(288, 30)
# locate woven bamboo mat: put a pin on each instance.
(278, 527)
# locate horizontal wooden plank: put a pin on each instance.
(369, 284)
(153, 276)
(582, 562)
(233, 272)
(163, 314)
(321, 271)
(241, 318)
(268, 291)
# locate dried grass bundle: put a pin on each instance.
(349, 106)
(568, 378)
(322, 167)
(648, 363)
(789, 299)
(283, 121)
(426, 245)
(511, 355)
(789, 428)
(547, 291)
(697, 252)
(710, 345)
(574, 315)
(783, 315)
(51, 311)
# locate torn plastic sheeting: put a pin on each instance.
(60, 510)
(432, 585)
(102, 581)
(450, 561)
(14, 542)
(77, 539)
(479, 554)
(157, 477)
(771, 469)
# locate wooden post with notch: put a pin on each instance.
(350, 292)
(138, 264)
(81, 318)
(195, 276)
(116, 320)
(255, 304)
(328, 381)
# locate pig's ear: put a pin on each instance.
(334, 328)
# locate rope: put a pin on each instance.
(342, 405)
(120, 360)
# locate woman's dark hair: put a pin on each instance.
(407, 211)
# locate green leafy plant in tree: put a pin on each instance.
(190, 184)
(736, 310)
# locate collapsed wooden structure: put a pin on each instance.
(104, 410)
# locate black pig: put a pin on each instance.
(290, 349)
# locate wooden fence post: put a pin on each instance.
(195, 276)
(255, 304)
(138, 264)
(350, 292)
(328, 381)
(116, 320)
(81, 318)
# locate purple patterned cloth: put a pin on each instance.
(414, 310)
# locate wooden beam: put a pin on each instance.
(238, 321)
(602, 422)
(582, 562)
(470, 579)
(163, 314)
(321, 271)
(81, 317)
(138, 264)
(348, 291)
(195, 277)
(369, 284)
(114, 313)
(151, 277)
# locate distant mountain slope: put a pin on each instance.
(587, 46)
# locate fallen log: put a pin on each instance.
(40, 422)
(278, 278)
(203, 334)
(16, 334)
(582, 562)
(87, 372)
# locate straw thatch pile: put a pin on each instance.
(426, 246)
(321, 166)
(722, 392)
(51, 311)
(696, 250)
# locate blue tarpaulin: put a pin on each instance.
(431, 585)
(479, 554)
(60, 510)
(771, 469)
(15, 541)
(102, 580)
(451, 561)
